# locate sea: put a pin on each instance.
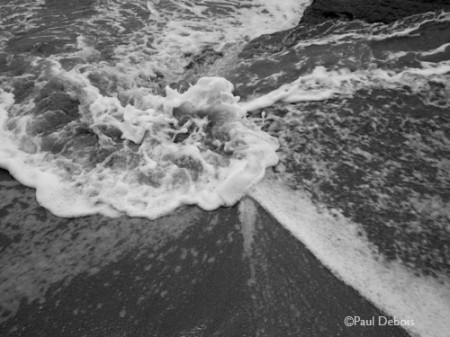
(141, 109)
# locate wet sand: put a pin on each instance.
(193, 273)
(231, 272)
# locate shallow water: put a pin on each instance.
(345, 121)
(93, 106)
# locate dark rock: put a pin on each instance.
(315, 17)
(274, 59)
(385, 11)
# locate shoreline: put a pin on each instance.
(234, 271)
(221, 273)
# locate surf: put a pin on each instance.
(141, 121)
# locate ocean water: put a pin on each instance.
(340, 131)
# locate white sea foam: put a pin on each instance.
(192, 171)
(221, 156)
(17, 15)
(322, 84)
(337, 242)
(52, 251)
(161, 36)
(377, 31)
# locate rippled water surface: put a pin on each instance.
(340, 130)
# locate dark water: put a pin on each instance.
(361, 115)
(380, 155)
(193, 273)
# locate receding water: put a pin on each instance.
(341, 131)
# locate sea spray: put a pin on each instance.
(191, 148)
(339, 244)
(111, 124)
